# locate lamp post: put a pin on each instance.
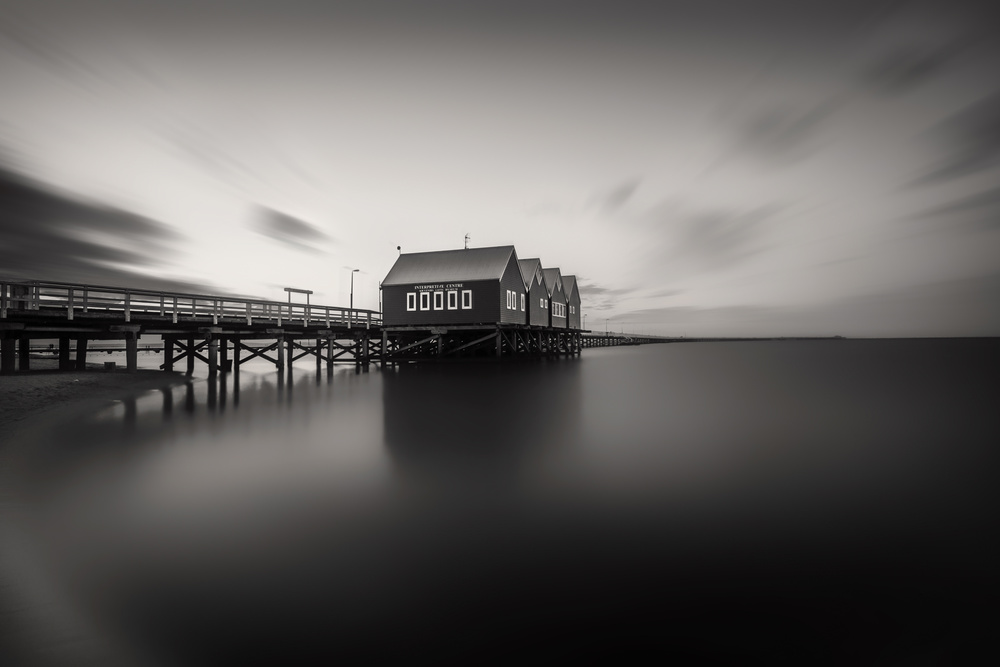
(585, 321)
(353, 271)
(605, 327)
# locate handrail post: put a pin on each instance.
(215, 312)
(3, 300)
(86, 300)
(249, 316)
(161, 305)
(69, 305)
(175, 310)
(350, 317)
(327, 317)
(368, 325)
(128, 305)
(307, 314)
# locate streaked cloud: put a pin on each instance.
(784, 134)
(907, 67)
(289, 230)
(969, 139)
(49, 235)
(612, 200)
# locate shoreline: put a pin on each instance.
(44, 398)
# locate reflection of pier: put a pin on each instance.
(225, 332)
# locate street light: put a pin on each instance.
(605, 327)
(585, 321)
(353, 271)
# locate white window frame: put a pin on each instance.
(425, 301)
(452, 299)
(466, 303)
(522, 303)
(438, 300)
(508, 299)
(411, 301)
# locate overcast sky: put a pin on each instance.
(705, 168)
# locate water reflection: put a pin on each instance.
(699, 498)
(479, 419)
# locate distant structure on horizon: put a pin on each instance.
(477, 286)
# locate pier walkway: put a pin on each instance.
(210, 327)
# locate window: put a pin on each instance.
(508, 299)
(522, 303)
(466, 299)
(411, 300)
(541, 303)
(453, 300)
(425, 301)
(438, 300)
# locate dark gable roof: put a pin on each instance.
(552, 276)
(528, 268)
(569, 286)
(450, 265)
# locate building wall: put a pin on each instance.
(512, 281)
(555, 321)
(538, 302)
(574, 317)
(486, 294)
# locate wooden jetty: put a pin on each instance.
(209, 328)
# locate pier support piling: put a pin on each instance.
(190, 355)
(64, 364)
(131, 352)
(7, 353)
(168, 354)
(23, 354)
(236, 367)
(81, 354)
(213, 356)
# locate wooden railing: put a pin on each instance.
(76, 300)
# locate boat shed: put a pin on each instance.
(471, 286)
(572, 288)
(557, 298)
(538, 293)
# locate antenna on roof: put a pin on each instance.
(400, 249)
(467, 241)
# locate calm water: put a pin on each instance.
(810, 502)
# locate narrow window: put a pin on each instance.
(522, 303)
(453, 300)
(425, 301)
(508, 299)
(411, 300)
(541, 303)
(438, 300)
(466, 299)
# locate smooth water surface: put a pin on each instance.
(805, 501)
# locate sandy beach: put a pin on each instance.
(24, 397)
(32, 403)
